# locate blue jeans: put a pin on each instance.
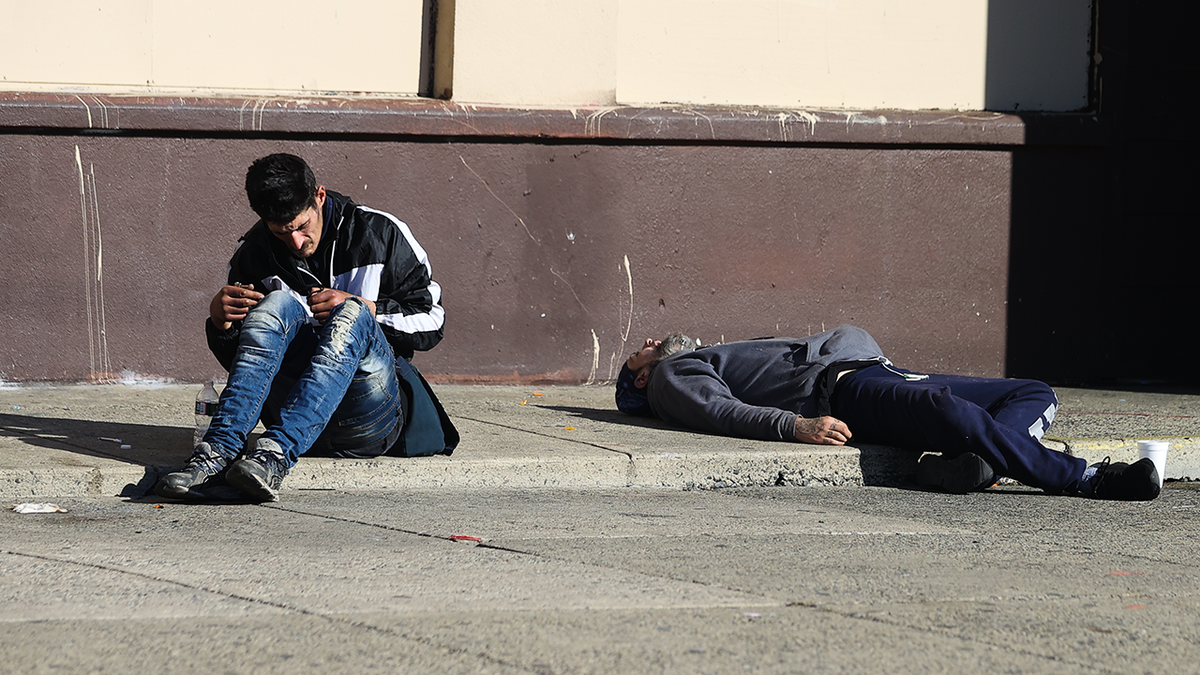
(1000, 420)
(332, 386)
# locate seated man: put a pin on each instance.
(836, 385)
(325, 302)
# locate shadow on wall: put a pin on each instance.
(1102, 282)
(1038, 55)
(1087, 278)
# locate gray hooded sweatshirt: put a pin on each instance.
(755, 389)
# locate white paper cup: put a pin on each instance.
(1157, 452)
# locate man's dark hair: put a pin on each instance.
(279, 187)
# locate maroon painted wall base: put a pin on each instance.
(561, 239)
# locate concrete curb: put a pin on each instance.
(1183, 458)
(28, 485)
(59, 442)
(867, 465)
(674, 470)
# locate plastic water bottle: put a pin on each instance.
(206, 407)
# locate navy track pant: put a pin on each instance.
(1001, 420)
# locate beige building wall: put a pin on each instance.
(807, 53)
(860, 54)
(535, 52)
(300, 47)
(839, 54)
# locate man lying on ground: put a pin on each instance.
(837, 385)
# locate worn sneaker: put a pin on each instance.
(194, 481)
(1137, 482)
(956, 475)
(259, 472)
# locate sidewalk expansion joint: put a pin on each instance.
(331, 618)
(937, 630)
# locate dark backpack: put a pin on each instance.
(427, 428)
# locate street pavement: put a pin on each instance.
(628, 580)
(563, 538)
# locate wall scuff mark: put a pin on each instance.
(88, 108)
(628, 322)
(99, 367)
(502, 202)
(257, 107)
(591, 125)
(595, 358)
(572, 289)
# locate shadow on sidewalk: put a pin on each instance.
(152, 447)
(884, 466)
(613, 417)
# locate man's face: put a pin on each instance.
(639, 362)
(302, 235)
(642, 357)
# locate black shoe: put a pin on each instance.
(196, 479)
(957, 475)
(260, 472)
(1137, 482)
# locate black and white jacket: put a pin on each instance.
(365, 252)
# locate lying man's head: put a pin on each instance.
(635, 374)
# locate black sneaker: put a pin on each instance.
(956, 475)
(196, 479)
(259, 473)
(1137, 482)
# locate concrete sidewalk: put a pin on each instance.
(70, 441)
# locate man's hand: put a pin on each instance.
(821, 430)
(232, 303)
(324, 300)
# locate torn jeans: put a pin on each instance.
(332, 386)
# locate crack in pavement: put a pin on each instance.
(278, 605)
